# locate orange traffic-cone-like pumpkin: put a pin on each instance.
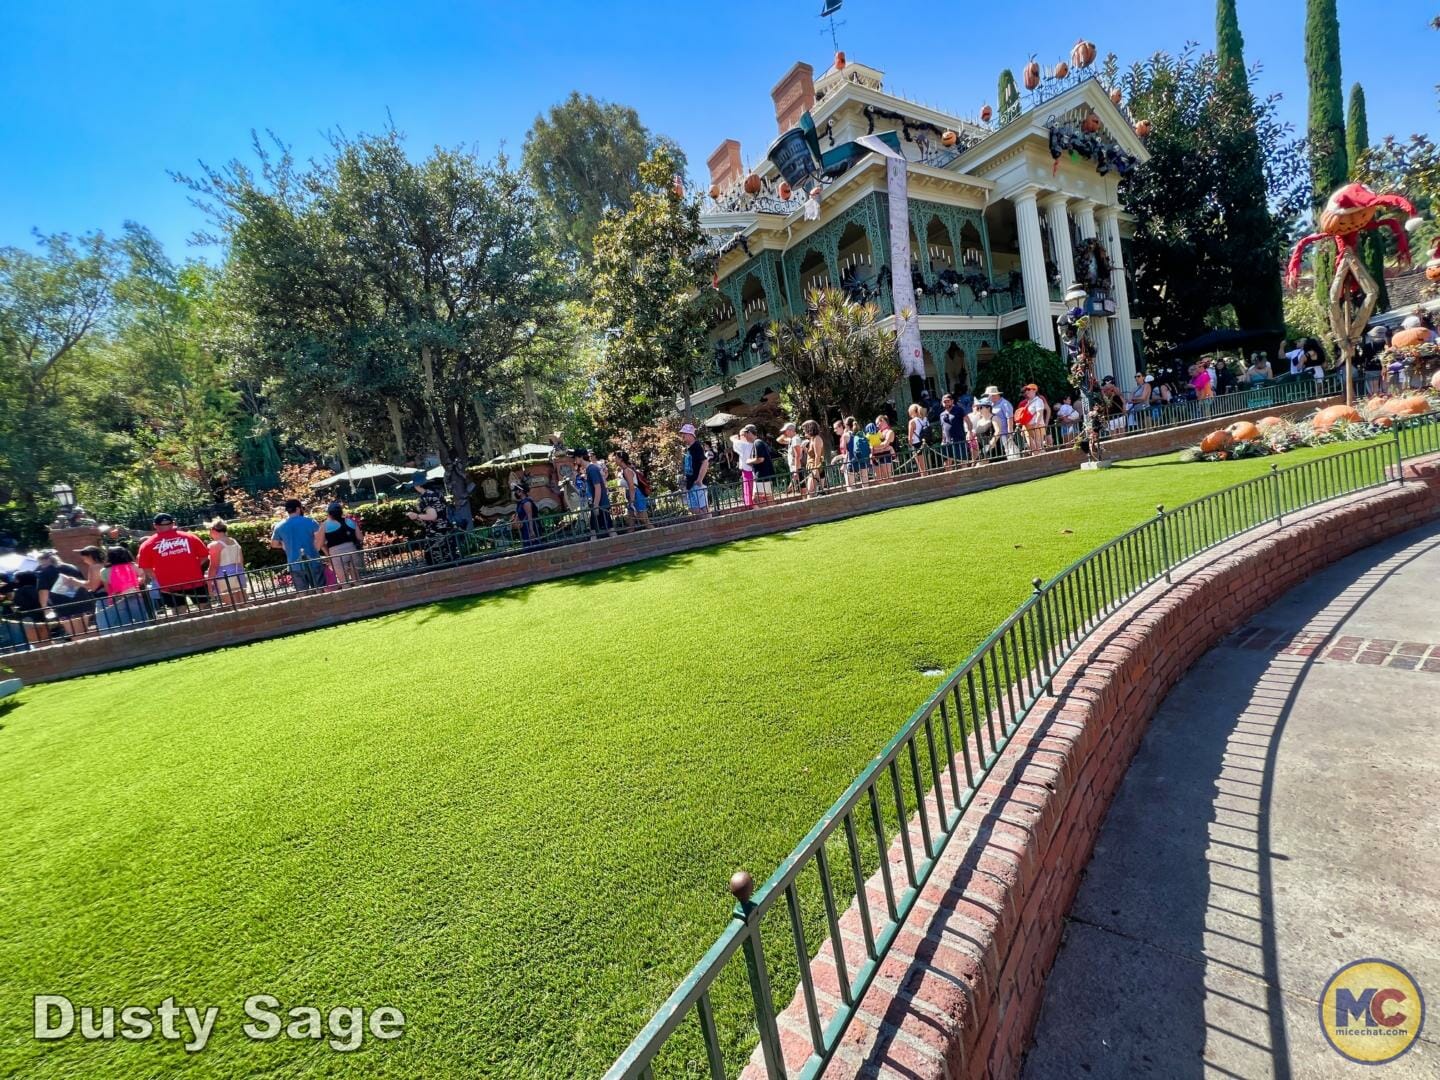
(948, 138)
(1030, 75)
(1215, 442)
(1083, 53)
(1408, 406)
(1326, 419)
(752, 185)
(1416, 335)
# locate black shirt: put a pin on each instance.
(694, 459)
(764, 461)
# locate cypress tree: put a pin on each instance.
(1007, 97)
(1357, 141)
(1329, 167)
(1251, 237)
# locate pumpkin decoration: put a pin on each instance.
(1432, 270)
(1216, 441)
(1116, 97)
(1091, 124)
(714, 191)
(985, 114)
(1143, 128)
(1265, 423)
(1325, 419)
(1082, 55)
(1384, 421)
(784, 191)
(1243, 431)
(752, 184)
(948, 139)
(840, 61)
(1062, 69)
(1408, 406)
(678, 187)
(1030, 74)
(1416, 335)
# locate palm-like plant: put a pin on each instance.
(836, 356)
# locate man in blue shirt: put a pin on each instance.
(296, 537)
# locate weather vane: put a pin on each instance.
(828, 12)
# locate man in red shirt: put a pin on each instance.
(175, 561)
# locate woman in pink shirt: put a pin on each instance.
(1201, 381)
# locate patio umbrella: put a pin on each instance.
(371, 472)
(15, 562)
(722, 420)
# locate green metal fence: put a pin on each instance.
(933, 768)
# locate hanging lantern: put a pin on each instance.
(985, 114)
(1142, 128)
(1062, 69)
(1115, 96)
(840, 61)
(948, 138)
(1031, 75)
(1083, 54)
(752, 184)
(1091, 124)
(784, 191)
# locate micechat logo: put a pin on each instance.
(1371, 1011)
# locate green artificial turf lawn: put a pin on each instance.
(512, 816)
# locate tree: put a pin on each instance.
(650, 301)
(53, 305)
(370, 279)
(1188, 240)
(1357, 149)
(1329, 167)
(1255, 272)
(835, 356)
(1007, 95)
(583, 160)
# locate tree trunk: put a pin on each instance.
(393, 408)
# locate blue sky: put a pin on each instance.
(100, 99)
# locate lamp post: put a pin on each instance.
(63, 494)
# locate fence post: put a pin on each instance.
(1399, 457)
(1047, 667)
(1274, 487)
(742, 885)
(1164, 540)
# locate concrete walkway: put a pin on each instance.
(1280, 821)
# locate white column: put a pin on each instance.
(1032, 268)
(1057, 218)
(1122, 340)
(1099, 326)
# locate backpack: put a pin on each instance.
(860, 450)
(642, 483)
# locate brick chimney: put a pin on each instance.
(793, 94)
(725, 164)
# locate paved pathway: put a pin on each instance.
(1280, 820)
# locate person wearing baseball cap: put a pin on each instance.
(696, 466)
(175, 562)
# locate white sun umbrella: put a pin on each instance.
(15, 562)
(371, 472)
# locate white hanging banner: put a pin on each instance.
(902, 289)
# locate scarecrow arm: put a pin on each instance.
(1402, 242)
(1292, 272)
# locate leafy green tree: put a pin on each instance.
(1357, 149)
(1021, 362)
(650, 301)
(583, 159)
(1187, 245)
(1329, 164)
(54, 305)
(369, 278)
(836, 356)
(1255, 270)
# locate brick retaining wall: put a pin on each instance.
(960, 992)
(203, 632)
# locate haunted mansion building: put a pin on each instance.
(991, 223)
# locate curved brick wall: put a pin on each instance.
(201, 633)
(960, 992)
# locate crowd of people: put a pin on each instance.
(173, 570)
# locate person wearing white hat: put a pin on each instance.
(1412, 322)
(696, 465)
